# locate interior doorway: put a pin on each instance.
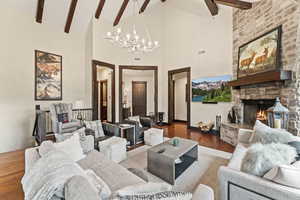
(128, 74)
(182, 79)
(103, 100)
(103, 91)
(139, 98)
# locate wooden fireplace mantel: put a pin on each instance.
(272, 76)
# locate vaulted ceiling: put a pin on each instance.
(76, 14)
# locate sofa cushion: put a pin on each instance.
(109, 171)
(288, 175)
(102, 188)
(259, 158)
(79, 188)
(266, 135)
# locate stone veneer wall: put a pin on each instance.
(249, 24)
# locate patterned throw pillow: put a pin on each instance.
(95, 126)
(169, 195)
(63, 117)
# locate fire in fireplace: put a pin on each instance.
(256, 110)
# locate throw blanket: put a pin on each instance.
(48, 176)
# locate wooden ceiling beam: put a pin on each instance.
(40, 11)
(235, 3)
(121, 11)
(212, 6)
(144, 6)
(99, 9)
(70, 15)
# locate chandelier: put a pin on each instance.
(131, 40)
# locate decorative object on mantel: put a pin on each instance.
(261, 54)
(132, 41)
(232, 118)
(211, 89)
(278, 115)
(48, 76)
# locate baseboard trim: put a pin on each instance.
(178, 120)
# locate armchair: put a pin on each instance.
(146, 123)
(109, 130)
(62, 118)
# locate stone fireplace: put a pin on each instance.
(250, 24)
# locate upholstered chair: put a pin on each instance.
(62, 118)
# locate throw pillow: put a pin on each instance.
(139, 173)
(144, 188)
(102, 188)
(266, 135)
(136, 119)
(45, 147)
(259, 158)
(95, 126)
(288, 175)
(169, 195)
(71, 147)
(63, 117)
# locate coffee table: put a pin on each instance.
(163, 159)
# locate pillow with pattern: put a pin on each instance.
(63, 117)
(169, 195)
(95, 126)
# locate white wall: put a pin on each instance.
(187, 33)
(133, 75)
(20, 36)
(180, 96)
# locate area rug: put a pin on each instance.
(204, 171)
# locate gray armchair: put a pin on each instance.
(146, 123)
(62, 118)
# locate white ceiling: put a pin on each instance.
(56, 11)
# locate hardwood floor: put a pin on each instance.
(179, 129)
(12, 164)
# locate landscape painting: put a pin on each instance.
(260, 55)
(48, 76)
(212, 89)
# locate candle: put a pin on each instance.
(277, 123)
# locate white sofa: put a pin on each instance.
(237, 185)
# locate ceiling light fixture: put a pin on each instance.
(132, 41)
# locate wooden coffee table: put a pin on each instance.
(162, 159)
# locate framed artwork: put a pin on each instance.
(261, 54)
(211, 89)
(48, 76)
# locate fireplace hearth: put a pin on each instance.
(256, 110)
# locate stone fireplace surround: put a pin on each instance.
(247, 25)
(268, 92)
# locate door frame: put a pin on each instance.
(171, 98)
(95, 91)
(130, 67)
(101, 82)
(144, 82)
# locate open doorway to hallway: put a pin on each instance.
(103, 95)
(179, 86)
